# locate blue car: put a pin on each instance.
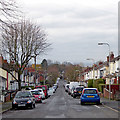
(90, 95)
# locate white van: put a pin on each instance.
(72, 84)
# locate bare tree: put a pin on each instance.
(21, 42)
(8, 10)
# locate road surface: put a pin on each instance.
(62, 105)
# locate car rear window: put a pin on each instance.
(35, 92)
(90, 91)
(42, 87)
(79, 89)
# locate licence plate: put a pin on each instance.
(90, 96)
(79, 92)
(21, 105)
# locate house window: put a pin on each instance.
(101, 73)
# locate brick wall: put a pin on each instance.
(7, 97)
(106, 94)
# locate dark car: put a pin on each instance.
(77, 91)
(28, 88)
(23, 99)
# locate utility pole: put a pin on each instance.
(35, 69)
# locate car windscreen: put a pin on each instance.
(35, 92)
(79, 89)
(23, 95)
(92, 91)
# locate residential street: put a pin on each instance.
(62, 105)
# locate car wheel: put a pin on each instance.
(74, 96)
(40, 101)
(32, 105)
(97, 103)
(82, 103)
(13, 107)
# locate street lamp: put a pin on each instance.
(117, 74)
(35, 66)
(109, 67)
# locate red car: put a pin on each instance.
(44, 87)
(37, 95)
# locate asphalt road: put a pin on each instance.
(62, 105)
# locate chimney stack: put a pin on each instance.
(111, 57)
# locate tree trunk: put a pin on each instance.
(19, 82)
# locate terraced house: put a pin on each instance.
(8, 82)
(107, 71)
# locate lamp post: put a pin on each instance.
(109, 67)
(35, 66)
(117, 74)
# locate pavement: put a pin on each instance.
(113, 104)
(5, 106)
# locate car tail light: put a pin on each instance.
(75, 91)
(83, 92)
(97, 93)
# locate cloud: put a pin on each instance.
(76, 26)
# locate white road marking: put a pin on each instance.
(97, 106)
(55, 116)
(111, 108)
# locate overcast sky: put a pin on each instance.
(75, 27)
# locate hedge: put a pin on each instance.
(97, 82)
(90, 83)
(101, 86)
(23, 87)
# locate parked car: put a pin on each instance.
(72, 89)
(56, 85)
(44, 88)
(72, 84)
(90, 95)
(37, 95)
(50, 92)
(54, 88)
(66, 87)
(28, 88)
(77, 91)
(23, 99)
(41, 92)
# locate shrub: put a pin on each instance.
(101, 87)
(23, 87)
(90, 83)
(97, 82)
